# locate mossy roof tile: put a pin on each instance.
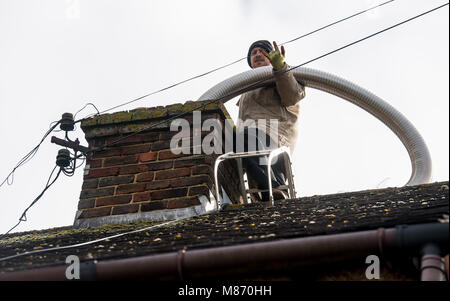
(308, 216)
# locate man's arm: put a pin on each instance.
(290, 91)
(288, 88)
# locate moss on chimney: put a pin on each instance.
(160, 112)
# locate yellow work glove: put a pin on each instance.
(276, 57)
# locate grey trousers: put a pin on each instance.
(257, 168)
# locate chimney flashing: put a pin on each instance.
(206, 206)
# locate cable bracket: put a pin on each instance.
(75, 145)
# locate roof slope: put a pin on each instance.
(308, 216)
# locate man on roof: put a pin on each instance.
(279, 103)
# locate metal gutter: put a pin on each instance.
(256, 257)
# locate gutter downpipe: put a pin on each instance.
(253, 257)
(432, 265)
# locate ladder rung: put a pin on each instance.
(253, 190)
(244, 155)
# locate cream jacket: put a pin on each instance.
(278, 102)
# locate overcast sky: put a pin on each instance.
(57, 55)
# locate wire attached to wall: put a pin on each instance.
(10, 178)
(65, 161)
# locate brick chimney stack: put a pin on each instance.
(141, 178)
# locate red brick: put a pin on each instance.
(133, 208)
(167, 194)
(111, 181)
(189, 181)
(109, 152)
(145, 177)
(159, 145)
(154, 185)
(92, 193)
(183, 203)
(95, 163)
(158, 205)
(90, 184)
(160, 165)
(113, 200)
(149, 137)
(167, 154)
(124, 140)
(199, 190)
(136, 149)
(148, 157)
(133, 169)
(122, 160)
(96, 212)
(202, 169)
(130, 188)
(103, 172)
(173, 173)
(141, 197)
(135, 139)
(84, 204)
(192, 161)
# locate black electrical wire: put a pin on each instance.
(28, 156)
(82, 162)
(33, 152)
(234, 62)
(334, 23)
(169, 87)
(23, 217)
(70, 171)
(88, 104)
(265, 79)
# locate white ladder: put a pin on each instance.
(270, 155)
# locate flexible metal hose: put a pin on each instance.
(405, 130)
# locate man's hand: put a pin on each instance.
(276, 57)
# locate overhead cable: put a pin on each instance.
(10, 178)
(23, 217)
(236, 61)
(267, 78)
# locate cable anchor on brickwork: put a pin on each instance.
(67, 124)
(65, 159)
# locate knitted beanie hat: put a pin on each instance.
(264, 44)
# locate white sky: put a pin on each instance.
(55, 56)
